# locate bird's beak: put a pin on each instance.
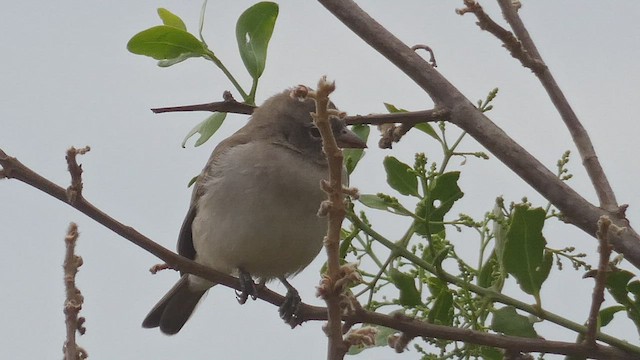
(349, 139)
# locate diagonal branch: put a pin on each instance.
(578, 133)
(577, 210)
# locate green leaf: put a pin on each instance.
(165, 42)
(401, 176)
(374, 202)
(524, 255)
(176, 60)
(489, 353)
(427, 129)
(171, 19)
(193, 180)
(383, 202)
(441, 311)
(507, 321)
(353, 156)
(206, 128)
(436, 205)
(253, 32)
(606, 314)
(617, 281)
(409, 295)
(485, 277)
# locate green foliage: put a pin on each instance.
(414, 275)
(206, 128)
(253, 32)
(171, 43)
(409, 295)
(507, 321)
(524, 254)
(170, 19)
(625, 292)
(401, 176)
(165, 42)
(353, 156)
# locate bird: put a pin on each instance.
(254, 207)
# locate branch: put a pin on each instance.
(601, 280)
(509, 41)
(576, 209)
(74, 299)
(16, 170)
(334, 207)
(422, 329)
(407, 120)
(578, 133)
(228, 105)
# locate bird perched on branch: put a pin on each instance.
(254, 207)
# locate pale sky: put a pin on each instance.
(68, 80)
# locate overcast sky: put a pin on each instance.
(67, 79)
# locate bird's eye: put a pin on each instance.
(314, 132)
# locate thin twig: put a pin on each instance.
(432, 56)
(336, 211)
(229, 105)
(74, 191)
(74, 299)
(578, 133)
(601, 280)
(509, 41)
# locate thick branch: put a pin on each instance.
(464, 114)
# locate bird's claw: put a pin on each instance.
(289, 308)
(248, 288)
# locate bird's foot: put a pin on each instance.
(289, 308)
(248, 288)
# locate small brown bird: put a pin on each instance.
(254, 207)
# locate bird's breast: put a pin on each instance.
(258, 212)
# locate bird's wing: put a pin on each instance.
(185, 238)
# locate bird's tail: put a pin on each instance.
(175, 308)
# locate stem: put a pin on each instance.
(245, 98)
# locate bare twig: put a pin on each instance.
(578, 133)
(509, 41)
(601, 279)
(74, 191)
(335, 209)
(576, 208)
(229, 104)
(432, 57)
(74, 299)
(409, 118)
